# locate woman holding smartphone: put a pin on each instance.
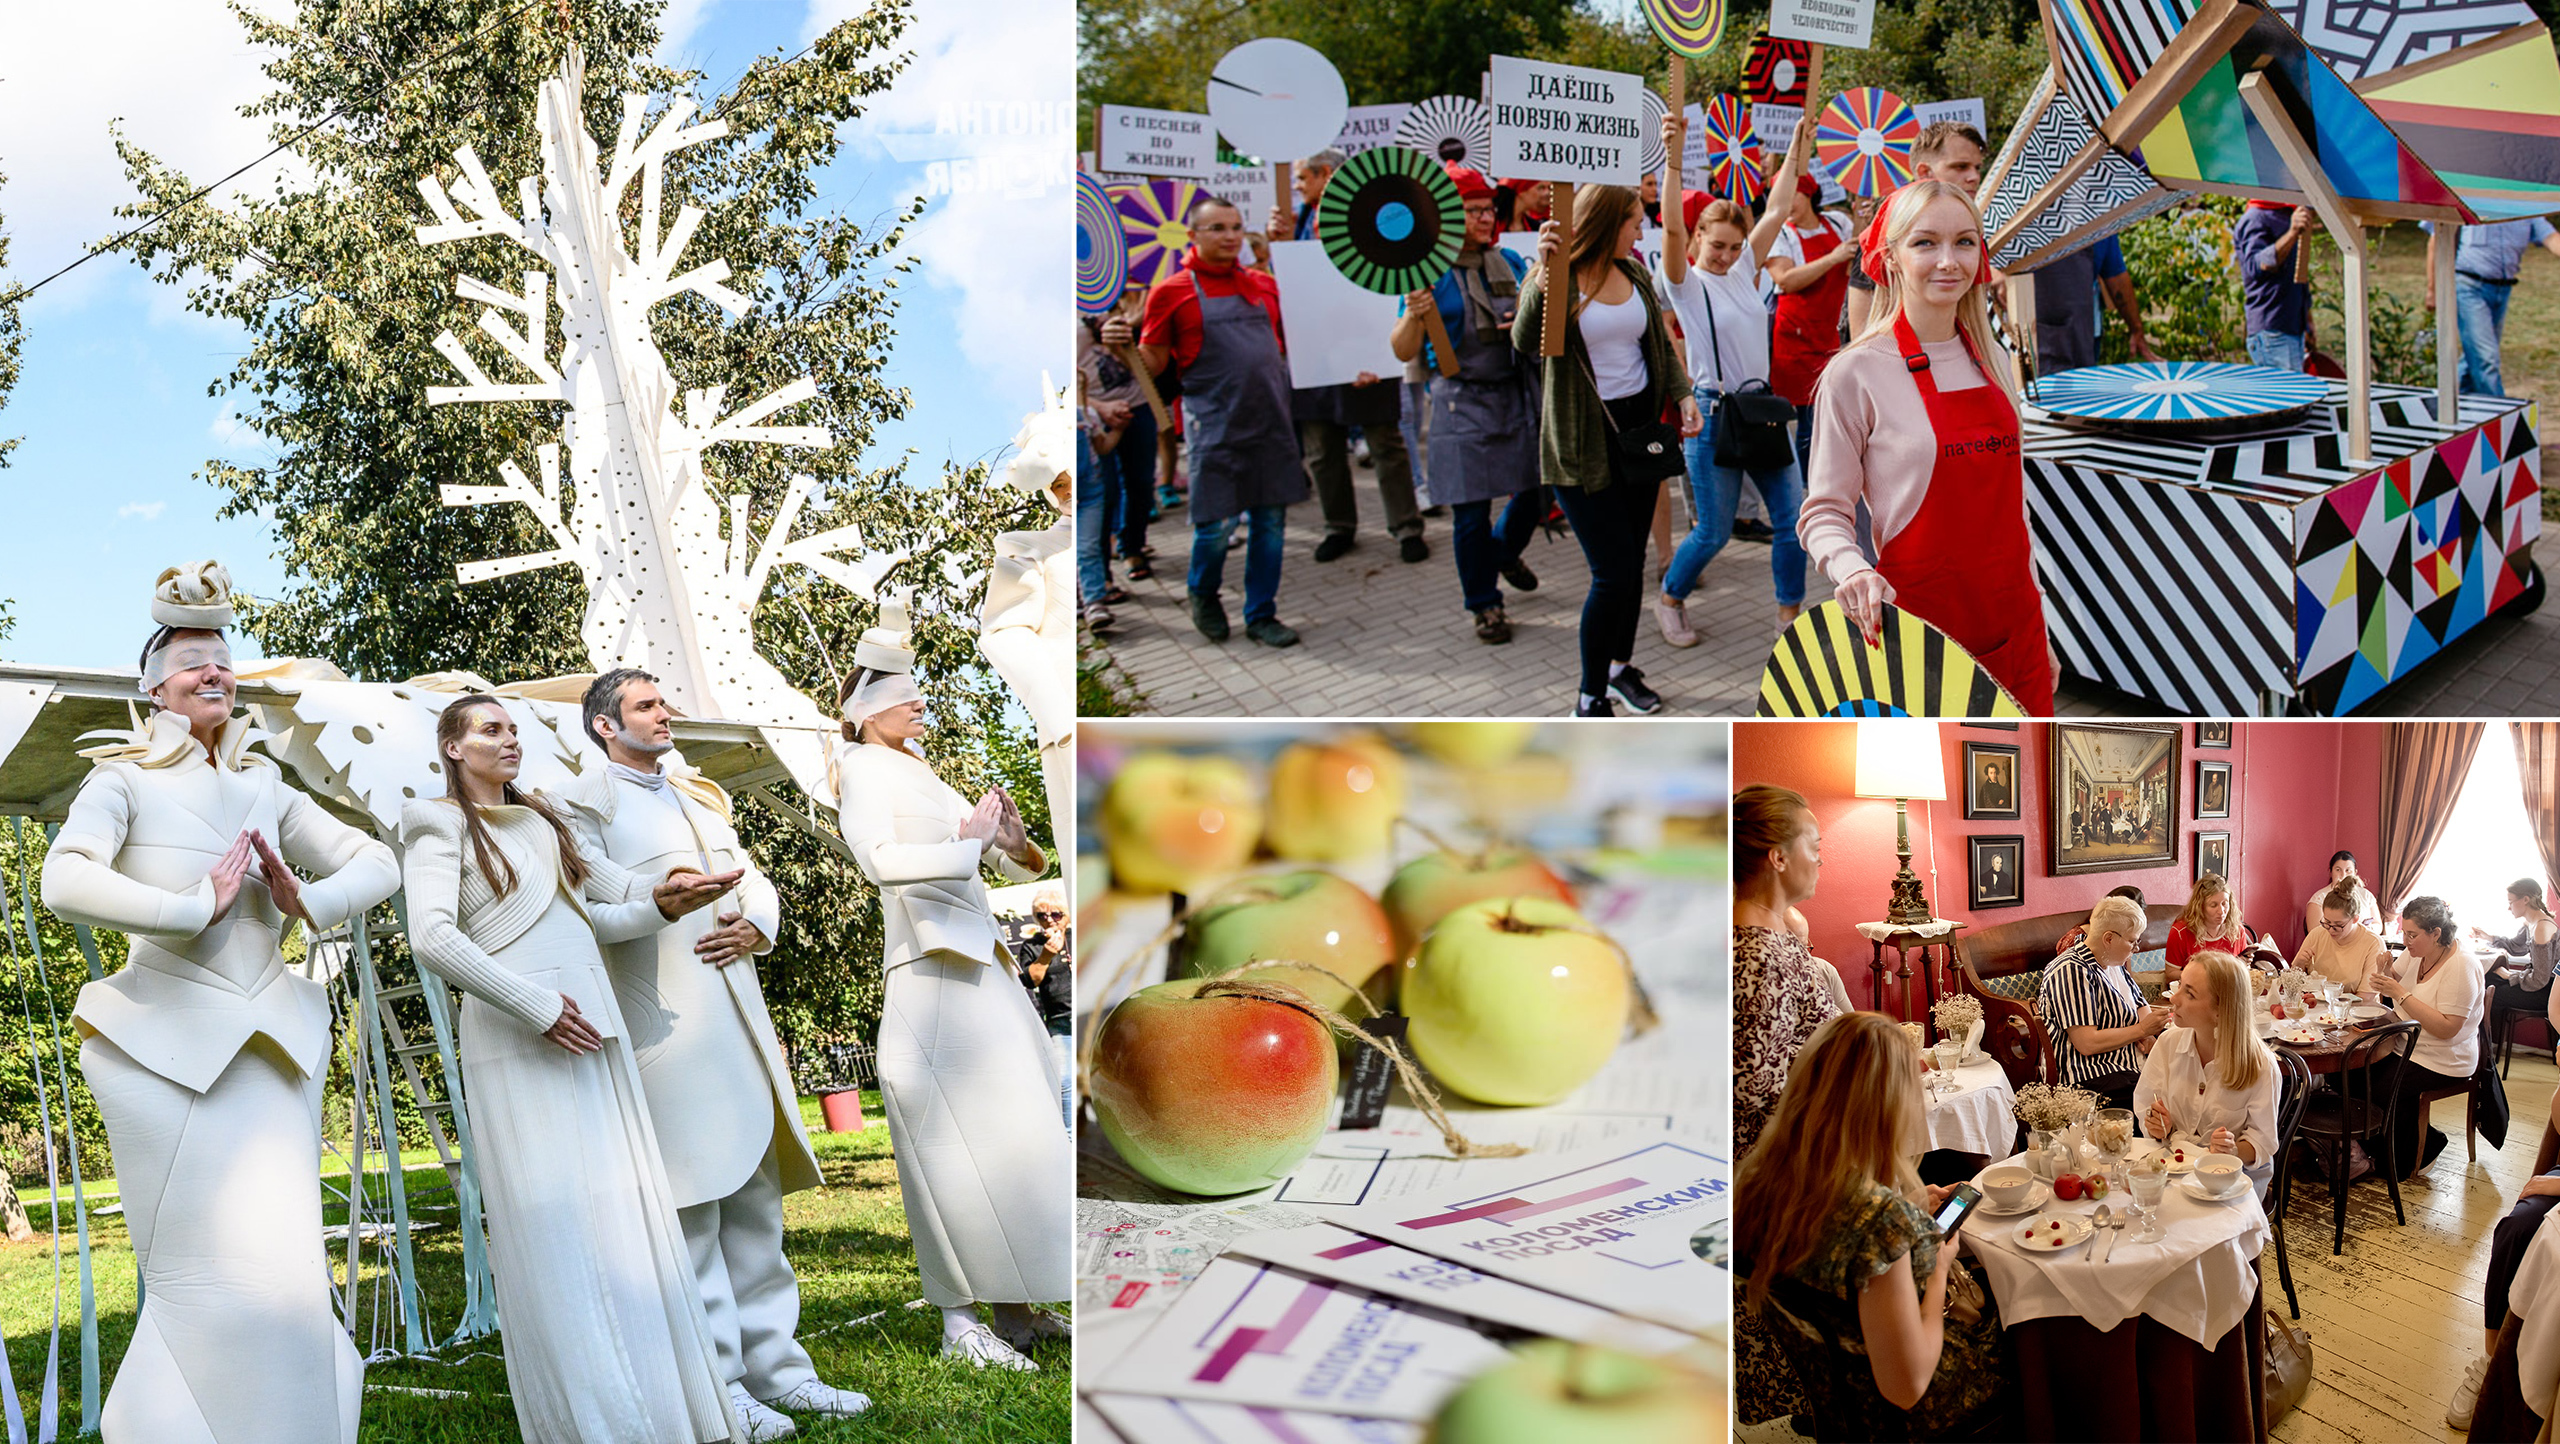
(1832, 1226)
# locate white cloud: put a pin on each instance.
(70, 70)
(232, 432)
(1004, 254)
(147, 510)
(676, 27)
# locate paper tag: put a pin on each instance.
(1364, 1088)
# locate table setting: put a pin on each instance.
(2314, 1017)
(1968, 1093)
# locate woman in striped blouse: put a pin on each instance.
(2101, 1028)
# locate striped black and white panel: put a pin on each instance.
(2367, 37)
(2169, 592)
(2103, 46)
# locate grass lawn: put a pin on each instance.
(848, 1241)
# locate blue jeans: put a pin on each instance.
(2275, 348)
(1261, 559)
(1485, 547)
(1714, 492)
(1093, 574)
(2482, 310)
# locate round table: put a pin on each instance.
(1977, 1118)
(2167, 1332)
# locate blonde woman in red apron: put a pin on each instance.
(1914, 420)
(1810, 267)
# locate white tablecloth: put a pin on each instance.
(2198, 1281)
(1935, 928)
(2534, 1298)
(1977, 1120)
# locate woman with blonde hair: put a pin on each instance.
(1603, 441)
(2209, 1078)
(1832, 1226)
(1914, 421)
(2211, 919)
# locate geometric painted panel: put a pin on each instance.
(1822, 667)
(2392, 566)
(2367, 37)
(2487, 117)
(2102, 47)
(2107, 197)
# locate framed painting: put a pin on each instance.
(2213, 855)
(2213, 789)
(1994, 871)
(2213, 734)
(1991, 781)
(2113, 802)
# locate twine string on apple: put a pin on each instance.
(1424, 1097)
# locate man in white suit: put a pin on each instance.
(726, 1114)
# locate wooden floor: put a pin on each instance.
(2395, 1319)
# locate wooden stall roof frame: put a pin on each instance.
(2078, 237)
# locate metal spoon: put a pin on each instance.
(2106, 1238)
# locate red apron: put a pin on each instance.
(1963, 563)
(1806, 333)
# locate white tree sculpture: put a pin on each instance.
(636, 514)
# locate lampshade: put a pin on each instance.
(1901, 759)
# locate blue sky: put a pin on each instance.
(113, 405)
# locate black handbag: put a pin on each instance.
(1751, 427)
(1650, 452)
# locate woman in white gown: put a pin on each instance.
(606, 1341)
(966, 1074)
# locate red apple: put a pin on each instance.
(1554, 1392)
(1211, 1095)
(1307, 916)
(1515, 1000)
(1428, 888)
(2066, 1186)
(1335, 801)
(1177, 824)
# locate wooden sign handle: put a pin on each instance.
(1813, 77)
(1280, 178)
(1679, 95)
(1558, 282)
(2302, 260)
(1146, 387)
(1444, 352)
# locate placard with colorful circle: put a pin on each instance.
(1391, 220)
(1691, 28)
(1864, 140)
(1776, 72)
(1154, 218)
(1735, 161)
(1449, 127)
(1102, 248)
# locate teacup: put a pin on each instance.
(2008, 1185)
(2221, 1174)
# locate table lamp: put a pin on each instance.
(1902, 760)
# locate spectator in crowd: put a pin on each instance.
(1530, 201)
(2436, 984)
(1603, 401)
(1124, 451)
(2277, 307)
(2342, 869)
(2487, 261)
(1216, 325)
(1484, 420)
(2100, 1027)
(1046, 956)
(1810, 261)
(1715, 293)
(1327, 416)
(1920, 430)
(1093, 570)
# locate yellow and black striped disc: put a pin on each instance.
(1391, 220)
(1821, 667)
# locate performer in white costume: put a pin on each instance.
(606, 1342)
(206, 1055)
(727, 1116)
(966, 1075)
(1027, 626)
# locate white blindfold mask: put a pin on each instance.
(183, 654)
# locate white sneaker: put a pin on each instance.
(762, 1423)
(818, 1397)
(1043, 1325)
(1674, 621)
(981, 1347)
(2466, 1396)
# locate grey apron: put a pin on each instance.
(1484, 420)
(1235, 407)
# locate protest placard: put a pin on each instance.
(1132, 140)
(1566, 123)
(1336, 330)
(1823, 22)
(1968, 111)
(1366, 127)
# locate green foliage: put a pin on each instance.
(12, 336)
(2187, 282)
(341, 305)
(29, 1009)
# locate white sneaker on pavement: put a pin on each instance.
(819, 1397)
(2466, 1396)
(1674, 621)
(981, 1347)
(762, 1423)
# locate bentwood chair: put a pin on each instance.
(2360, 1110)
(2289, 1101)
(2469, 1092)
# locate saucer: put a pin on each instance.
(2197, 1190)
(2042, 1237)
(2039, 1193)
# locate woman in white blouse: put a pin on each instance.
(606, 1339)
(2209, 1077)
(2438, 986)
(966, 1075)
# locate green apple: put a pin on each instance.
(1555, 1392)
(1426, 889)
(1307, 916)
(1515, 1000)
(1173, 823)
(1335, 801)
(1471, 744)
(1211, 1095)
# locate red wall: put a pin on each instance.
(2300, 791)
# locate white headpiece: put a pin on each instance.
(887, 648)
(194, 598)
(1046, 447)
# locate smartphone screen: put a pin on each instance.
(1958, 1207)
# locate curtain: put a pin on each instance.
(2423, 767)
(2538, 764)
